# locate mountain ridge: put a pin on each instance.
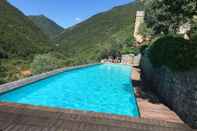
(48, 26)
(19, 36)
(105, 34)
(88, 39)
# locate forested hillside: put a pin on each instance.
(20, 39)
(27, 45)
(106, 33)
(49, 27)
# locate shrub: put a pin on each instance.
(45, 62)
(143, 48)
(130, 50)
(145, 30)
(194, 38)
(176, 53)
(2, 74)
(3, 54)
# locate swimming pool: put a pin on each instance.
(104, 88)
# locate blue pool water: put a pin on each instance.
(103, 88)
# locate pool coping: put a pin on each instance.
(20, 83)
(118, 120)
(134, 93)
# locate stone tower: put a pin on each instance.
(139, 20)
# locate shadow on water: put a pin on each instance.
(126, 88)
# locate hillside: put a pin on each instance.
(24, 46)
(19, 37)
(20, 40)
(49, 27)
(90, 39)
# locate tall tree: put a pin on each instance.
(166, 16)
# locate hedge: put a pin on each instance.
(176, 53)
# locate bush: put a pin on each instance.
(130, 50)
(143, 48)
(176, 53)
(145, 30)
(45, 62)
(2, 74)
(3, 54)
(194, 38)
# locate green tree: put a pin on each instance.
(175, 53)
(145, 30)
(45, 62)
(166, 16)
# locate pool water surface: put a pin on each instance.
(104, 88)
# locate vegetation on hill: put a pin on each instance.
(46, 62)
(50, 28)
(20, 39)
(19, 36)
(25, 43)
(101, 35)
(2, 73)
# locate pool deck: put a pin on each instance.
(15, 117)
(154, 117)
(150, 107)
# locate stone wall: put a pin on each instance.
(178, 90)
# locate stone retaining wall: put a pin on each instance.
(17, 84)
(176, 89)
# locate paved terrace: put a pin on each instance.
(15, 117)
(149, 105)
(154, 117)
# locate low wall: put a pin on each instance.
(176, 89)
(17, 84)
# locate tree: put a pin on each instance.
(45, 62)
(145, 31)
(166, 16)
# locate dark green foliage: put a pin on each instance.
(143, 48)
(129, 42)
(166, 16)
(3, 53)
(50, 28)
(176, 53)
(19, 37)
(194, 38)
(128, 48)
(105, 31)
(145, 30)
(194, 32)
(2, 73)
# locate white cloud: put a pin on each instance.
(78, 19)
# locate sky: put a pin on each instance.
(66, 13)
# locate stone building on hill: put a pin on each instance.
(138, 22)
